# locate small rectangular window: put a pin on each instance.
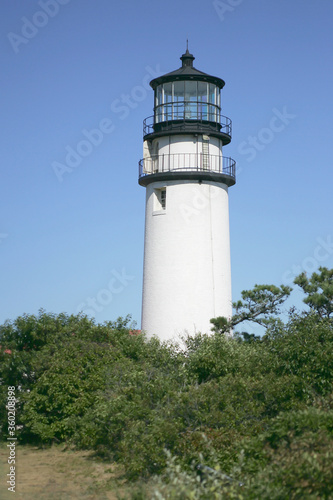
(178, 99)
(202, 98)
(159, 199)
(212, 97)
(167, 92)
(163, 199)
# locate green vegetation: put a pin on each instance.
(219, 416)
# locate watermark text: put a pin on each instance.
(31, 27)
(117, 283)
(11, 445)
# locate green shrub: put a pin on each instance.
(304, 347)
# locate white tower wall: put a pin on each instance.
(187, 277)
(181, 144)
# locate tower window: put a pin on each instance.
(159, 199)
(163, 199)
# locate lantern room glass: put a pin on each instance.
(187, 100)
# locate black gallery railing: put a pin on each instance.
(188, 109)
(170, 117)
(187, 162)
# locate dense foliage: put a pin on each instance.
(218, 416)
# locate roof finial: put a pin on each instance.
(187, 58)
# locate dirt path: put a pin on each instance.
(55, 474)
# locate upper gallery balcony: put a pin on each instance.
(188, 117)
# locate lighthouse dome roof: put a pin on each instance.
(187, 72)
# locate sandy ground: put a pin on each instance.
(55, 474)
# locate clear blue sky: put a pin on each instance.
(62, 243)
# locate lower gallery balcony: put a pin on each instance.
(195, 166)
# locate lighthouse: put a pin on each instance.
(187, 272)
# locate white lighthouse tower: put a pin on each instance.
(186, 277)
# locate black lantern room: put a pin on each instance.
(187, 100)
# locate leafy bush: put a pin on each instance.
(64, 391)
(255, 414)
(304, 347)
(291, 460)
(213, 357)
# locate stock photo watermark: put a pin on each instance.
(74, 156)
(199, 202)
(30, 27)
(93, 138)
(225, 7)
(250, 148)
(3, 236)
(322, 252)
(116, 285)
(12, 439)
(279, 121)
